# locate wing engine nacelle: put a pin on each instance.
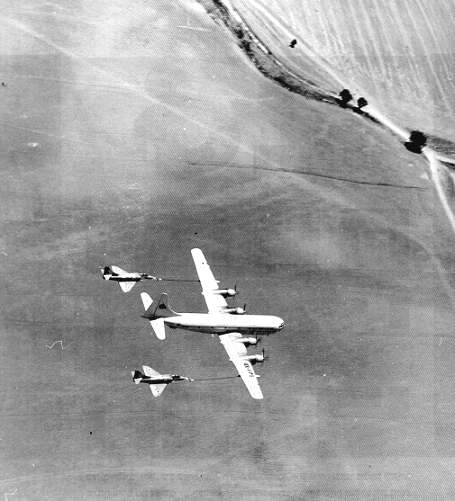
(235, 311)
(256, 359)
(249, 341)
(226, 292)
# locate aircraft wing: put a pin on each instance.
(237, 352)
(215, 302)
(118, 270)
(157, 389)
(149, 372)
(126, 286)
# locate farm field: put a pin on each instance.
(132, 133)
(398, 54)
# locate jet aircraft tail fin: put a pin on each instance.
(156, 312)
(107, 272)
(157, 309)
(137, 376)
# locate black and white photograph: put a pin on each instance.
(227, 250)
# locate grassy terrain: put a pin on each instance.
(129, 137)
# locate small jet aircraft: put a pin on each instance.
(126, 280)
(157, 382)
(228, 323)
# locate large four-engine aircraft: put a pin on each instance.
(125, 279)
(157, 382)
(229, 323)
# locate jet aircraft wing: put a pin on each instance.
(215, 301)
(157, 389)
(149, 372)
(126, 286)
(118, 270)
(238, 356)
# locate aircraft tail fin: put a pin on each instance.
(137, 376)
(106, 272)
(156, 312)
(156, 309)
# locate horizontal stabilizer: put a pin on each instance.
(126, 286)
(157, 389)
(158, 328)
(146, 300)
